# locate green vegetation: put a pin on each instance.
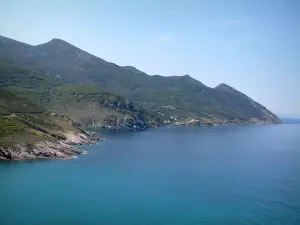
(10, 126)
(12, 103)
(83, 103)
(29, 124)
(177, 96)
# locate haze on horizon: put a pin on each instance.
(253, 46)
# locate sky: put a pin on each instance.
(253, 46)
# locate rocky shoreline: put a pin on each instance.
(45, 149)
(64, 148)
(194, 122)
(214, 121)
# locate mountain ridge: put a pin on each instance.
(182, 97)
(224, 87)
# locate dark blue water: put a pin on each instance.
(231, 175)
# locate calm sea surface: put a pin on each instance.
(229, 175)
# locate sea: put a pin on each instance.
(221, 175)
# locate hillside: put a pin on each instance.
(179, 97)
(16, 104)
(85, 104)
(27, 132)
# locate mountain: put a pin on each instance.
(179, 98)
(254, 109)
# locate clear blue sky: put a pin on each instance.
(253, 46)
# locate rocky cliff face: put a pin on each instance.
(39, 150)
(112, 112)
(136, 118)
(55, 146)
(46, 148)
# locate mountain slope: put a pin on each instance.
(12, 103)
(27, 132)
(84, 103)
(244, 104)
(181, 97)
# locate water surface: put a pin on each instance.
(181, 175)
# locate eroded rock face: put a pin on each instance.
(48, 149)
(129, 123)
(39, 150)
(132, 116)
(123, 105)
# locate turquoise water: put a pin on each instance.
(231, 175)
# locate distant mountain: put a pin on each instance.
(179, 97)
(290, 120)
(255, 110)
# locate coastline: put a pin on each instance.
(45, 149)
(68, 149)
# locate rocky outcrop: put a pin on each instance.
(48, 149)
(27, 136)
(131, 116)
(39, 150)
(129, 123)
